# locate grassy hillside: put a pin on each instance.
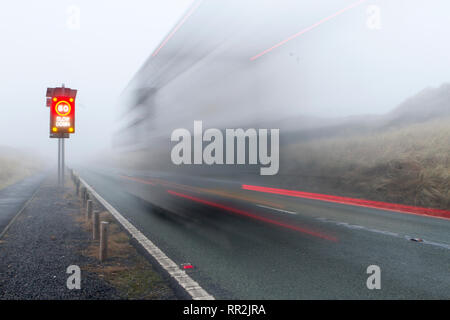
(16, 165)
(404, 164)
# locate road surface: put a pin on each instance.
(14, 197)
(248, 245)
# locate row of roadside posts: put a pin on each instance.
(99, 229)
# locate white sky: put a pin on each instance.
(39, 50)
(342, 67)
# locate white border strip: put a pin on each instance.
(184, 280)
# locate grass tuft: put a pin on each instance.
(409, 164)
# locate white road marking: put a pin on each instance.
(437, 244)
(388, 233)
(281, 210)
(183, 279)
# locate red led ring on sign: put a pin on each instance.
(67, 104)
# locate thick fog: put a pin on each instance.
(43, 45)
(367, 59)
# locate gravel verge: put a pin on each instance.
(42, 243)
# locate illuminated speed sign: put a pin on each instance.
(61, 101)
(62, 108)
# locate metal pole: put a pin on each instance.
(59, 161)
(85, 198)
(95, 224)
(89, 210)
(63, 162)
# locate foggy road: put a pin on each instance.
(223, 154)
(245, 245)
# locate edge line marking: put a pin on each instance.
(276, 209)
(179, 275)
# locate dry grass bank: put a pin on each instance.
(125, 269)
(409, 164)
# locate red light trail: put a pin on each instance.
(254, 216)
(178, 26)
(308, 29)
(436, 213)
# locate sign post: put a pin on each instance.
(59, 162)
(61, 101)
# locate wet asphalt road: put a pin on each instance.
(313, 250)
(13, 197)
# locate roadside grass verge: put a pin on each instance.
(128, 271)
(15, 166)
